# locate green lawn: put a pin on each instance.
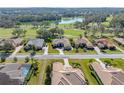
(87, 72)
(107, 51)
(7, 32)
(35, 80)
(22, 51)
(73, 32)
(80, 51)
(119, 63)
(51, 50)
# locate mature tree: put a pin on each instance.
(3, 59)
(56, 32)
(7, 46)
(35, 67)
(48, 74)
(45, 34)
(19, 32)
(27, 59)
(15, 59)
(50, 34)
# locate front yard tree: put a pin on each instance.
(3, 59)
(45, 34)
(15, 59)
(7, 46)
(27, 59)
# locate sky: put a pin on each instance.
(61, 3)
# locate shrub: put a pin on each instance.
(3, 59)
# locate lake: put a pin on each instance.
(71, 20)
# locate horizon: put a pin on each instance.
(62, 3)
(64, 7)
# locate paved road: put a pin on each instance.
(76, 56)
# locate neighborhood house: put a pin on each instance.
(67, 76)
(83, 43)
(105, 44)
(108, 75)
(13, 73)
(61, 43)
(119, 40)
(11, 43)
(37, 43)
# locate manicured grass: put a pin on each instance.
(7, 32)
(80, 51)
(73, 32)
(66, 26)
(119, 63)
(34, 80)
(107, 51)
(51, 50)
(22, 51)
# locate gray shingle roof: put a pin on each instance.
(12, 73)
(36, 42)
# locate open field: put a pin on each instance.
(85, 68)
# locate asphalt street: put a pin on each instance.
(76, 56)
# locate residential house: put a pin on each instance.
(13, 73)
(119, 40)
(61, 43)
(105, 44)
(67, 76)
(108, 75)
(37, 43)
(13, 43)
(83, 43)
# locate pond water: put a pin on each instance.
(71, 20)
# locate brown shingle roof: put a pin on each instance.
(108, 76)
(70, 76)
